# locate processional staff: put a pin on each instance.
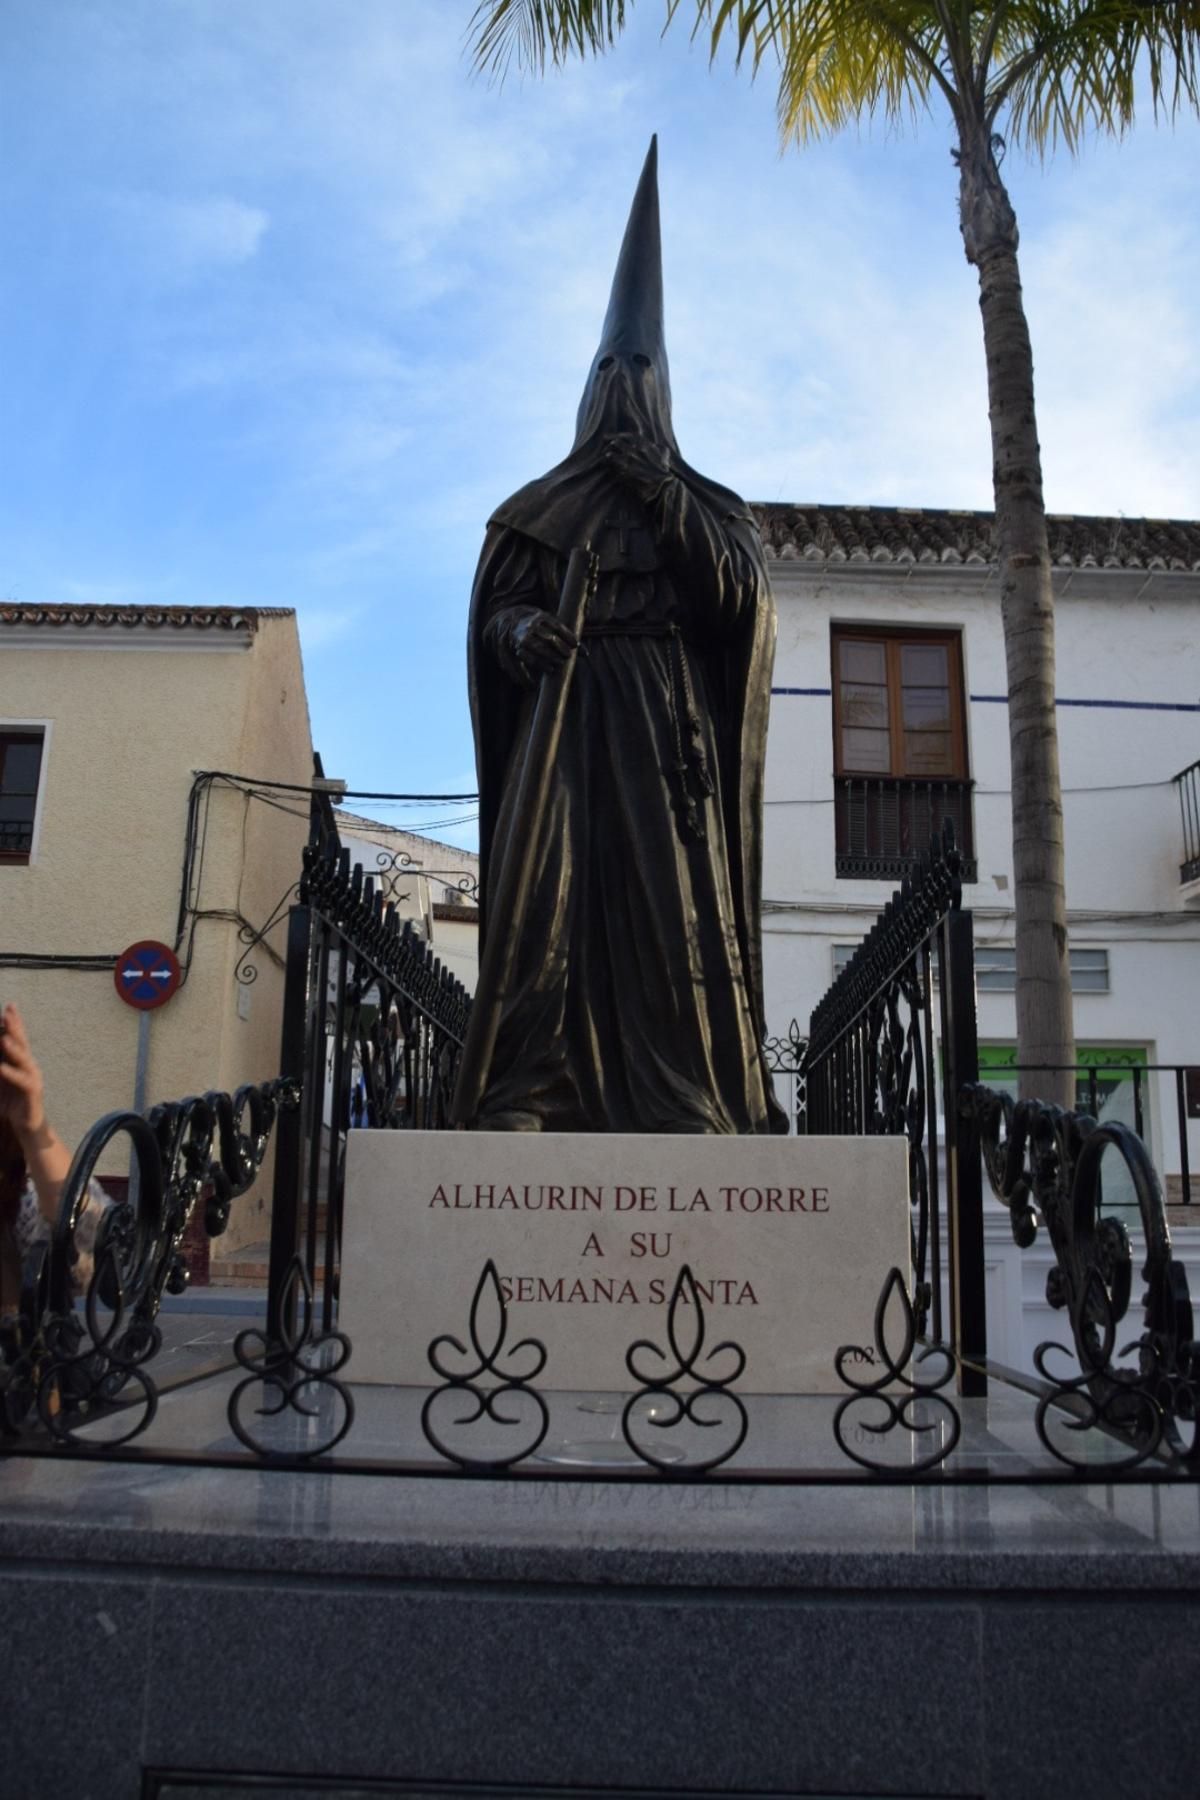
(509, 899)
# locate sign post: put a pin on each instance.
(146, 975)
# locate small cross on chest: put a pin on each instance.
(622, 525)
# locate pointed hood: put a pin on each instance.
(628, 390)
(632, 353)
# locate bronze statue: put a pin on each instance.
(620, 767)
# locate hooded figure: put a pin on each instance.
(635, 1002)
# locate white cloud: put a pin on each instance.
(179, 239)
(1111, 292)
(321, 626)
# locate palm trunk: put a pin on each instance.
(1045, 1032)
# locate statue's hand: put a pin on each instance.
(541, 643)
(638, 463)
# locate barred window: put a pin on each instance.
(996, 969)
(20, 773)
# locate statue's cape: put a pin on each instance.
(556, 511)
(575, 503)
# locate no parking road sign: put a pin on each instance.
(147, 974)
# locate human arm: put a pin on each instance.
(23, 1105)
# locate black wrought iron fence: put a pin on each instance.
(373, 1026)
(59, 1360)
(369, 1012)
(81, 1382)
(1046, 1166)
(871, 1069)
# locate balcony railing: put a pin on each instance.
(1188, 783)
(16, 839)
(882, 824)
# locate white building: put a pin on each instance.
(889, 713)
(434, 884)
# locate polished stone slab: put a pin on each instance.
(540, 1527)
(588, 1235)
(704, 1638)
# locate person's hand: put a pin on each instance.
(541, 643)
(22, 1092)
(638, 463)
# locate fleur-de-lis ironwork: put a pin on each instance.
(671, 1408)
(898, 1410)
(488, 1297)
(299, 1367)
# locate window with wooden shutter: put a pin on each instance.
(900, 760)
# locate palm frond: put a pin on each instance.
(1065, 69)
(1056, 69)
(534, 32)
(843, 59)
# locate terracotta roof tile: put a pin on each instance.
(178, 618)
(903, 535)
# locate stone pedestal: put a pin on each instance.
(218, 1632)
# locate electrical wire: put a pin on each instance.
(326, 791)
(437, 824)
(36, 959)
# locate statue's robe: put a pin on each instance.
(636, 999)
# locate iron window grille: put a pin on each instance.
(20, 775)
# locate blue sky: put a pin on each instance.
(290, 301)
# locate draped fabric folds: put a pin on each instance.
(637, 998)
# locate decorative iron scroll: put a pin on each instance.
(899, 1412)
(88, 1363)
(395, 866)
(1045, 1165)
(785, 1056)
(670, 1409)
(299, 1368)
(246, 971)
(486, 1400)
(68, 1363)
(1124, 1406)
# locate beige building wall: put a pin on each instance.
(131, 714)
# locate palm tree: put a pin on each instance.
(1050, 71)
